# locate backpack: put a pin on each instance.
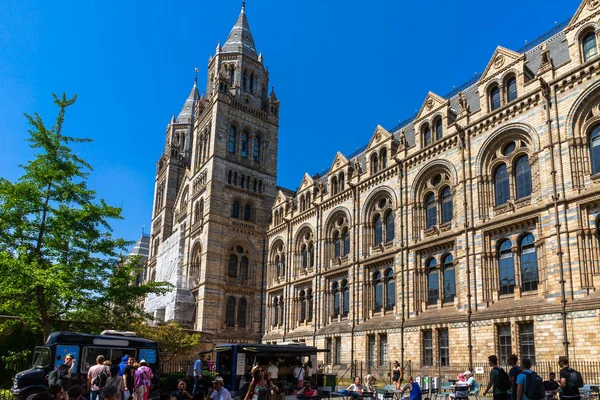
(55, 378)
(575, 379)
(534, 388)
(100, 379)
(503, 383)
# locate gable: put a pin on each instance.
(587, 9)
(501, 59)
(307, 182)
(379, 136)
(432, 102)
(338, 162)
(279, 199)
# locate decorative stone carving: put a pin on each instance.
(593, 4)
(464, 106)
(499, 61)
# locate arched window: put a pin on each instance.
(304, 256)
(244, 268)
(523, 177)
(256, 149)
(229, 177)
(281, 310)
(390, 284)
(383, 156)
(501, 185)
(439, 132)
(260, 187)
(231, 141)
(232, 267)
(243, 181)
(245, 80)
(241, 317)
(231, 75)
(449, 278)
(235, 179)
(309, 300)
(346, 240)
(511, 89)
(244, 144)
(378, 292)
(506, 267)
(529, 266)
(334, 185)
(337, 243)
(431, 210)
(282, 265)
(595, 149)
(374, 164)
(590, 50)
(342, 183)
(377, 230)
(254, 185)
(308, 199)
(311, 255)
(230, 312)
(277, 266)
(196, 261)
(235, 209)
(302, 306)
(495, 98)
(427, 135)
(433, 283)
(252, 82)
(345, 298)
(389, 226)
(247, 212)
(446, 205)
(275, 312)
(336, 299)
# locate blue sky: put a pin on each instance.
(340, 68)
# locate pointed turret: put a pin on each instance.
(240, 37)
(187, 112)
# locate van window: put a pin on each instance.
(117, 354)
(43, 357)
(89, 355)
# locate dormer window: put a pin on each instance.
(589, 48)
(495, 98)
(342, 183)
(511, 89)
(334, 186)
(438, 129)
(374, 164)
(427, 135)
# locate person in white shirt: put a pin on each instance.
(299, 375)
(273, 371)
(219, 392)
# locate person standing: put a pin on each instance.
(513, 373)
(197, 373)
(146, 374)
(115, 380)
(273, 372)
(499, 379)
(396, 375)
(96, 378)
(570, 380)
(129, 378)
(65, 371)
(299, 375)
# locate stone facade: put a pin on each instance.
(470, 229)
(215, 185)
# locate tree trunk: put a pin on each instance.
(42, 306)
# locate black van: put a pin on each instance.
(113, 345)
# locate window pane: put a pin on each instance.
(527, 341)
(438, 129)
(232, 139)
(310, 306)
(346, 306)
(449, 279)
(244, 268)
(383, 350)
(511, 89)
(230, 312)
(444, 348)
(523, 177)
(433, 285)
(529, 268)
(506, 268)
(371, 350)
(446, 205)
(504, 343)
(235, 210)
(256, 149)
(302, 308)
(427, 348)
(328, 353)
(242, 314)
(427, 136)
(589, 46)
(336, 301)
(346, 238)
(232, 269)
(391, 294)
(244, 144)
(431, 208)
(378, 300)
(495, 98)
(247, 212)
(378, 230)
(389, 226)
(338, 350)
(501, 185)
(337, 244)
(595, 150)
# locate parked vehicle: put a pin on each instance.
(113, 345)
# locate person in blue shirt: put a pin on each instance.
(414, 389)
(522, 378)
(197, 373)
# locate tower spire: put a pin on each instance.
(240, 37)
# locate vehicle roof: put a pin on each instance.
(275, 349)
(86, 338)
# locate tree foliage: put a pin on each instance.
(172, 339)
(58, 255)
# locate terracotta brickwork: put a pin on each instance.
(470, 216)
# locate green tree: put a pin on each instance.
(57, 251)
(172, 339)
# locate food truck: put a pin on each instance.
(113, 345)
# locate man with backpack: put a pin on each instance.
(499, 379)
(97, 377)
(513, 373)
(529, 384)
(570, 380)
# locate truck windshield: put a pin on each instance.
(43, 359)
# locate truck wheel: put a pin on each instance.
(30, 395)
